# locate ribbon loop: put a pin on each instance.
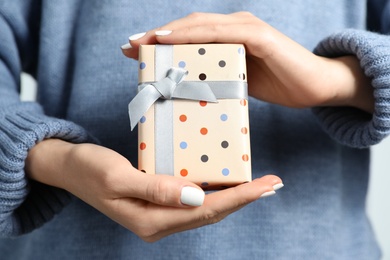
(172, 86)
(177, 74)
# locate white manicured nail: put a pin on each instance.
(192, 196)
(267, 194)
(126, 46)
(163, 33)
(137, 36)
(278, 186)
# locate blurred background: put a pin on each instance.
(377, 207)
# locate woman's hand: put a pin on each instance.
(279, 70)
(152, 206)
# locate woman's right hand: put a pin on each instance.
(151, 206)
(279, 70)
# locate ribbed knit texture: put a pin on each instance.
(27, 205)
(351, 126)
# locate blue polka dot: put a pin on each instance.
(182, 64)
(224, 117)
(205, 184)
(142, 65)
(143, 119)
(183, 145)
(241, 51)
(225, 172)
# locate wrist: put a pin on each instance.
(46, 162)
(352, 87)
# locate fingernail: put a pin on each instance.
(163, 33)
(278, 186)
(267, 194)
(126, 46)
(137, 36)
(192, 196)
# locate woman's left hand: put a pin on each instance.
(279, 70)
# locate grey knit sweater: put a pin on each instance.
(72, 49)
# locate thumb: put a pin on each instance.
(165, 190)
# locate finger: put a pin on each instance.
(131, 48)
(210, 19)
(257, 37)
(192, 20)
(142, 38)
(226, 33)
(162, 190)
(129, 51)
(216, 207)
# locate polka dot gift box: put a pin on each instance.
(192, 113)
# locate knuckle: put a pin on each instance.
(212, 217)
(145, 230)
(158, 192)
(150, 238)
(196, 15)
(148, 230)
(246, 14)
(147, 236)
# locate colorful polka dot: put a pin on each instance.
(225, 144)
(224, 117)
(204, 131)
(143, 171)
(203, 103)
(202, 51)
(183, 145)
(245, 157)
(243, 102)
(183, 172)
(182, 64)
(225, 172)
(220, 116)
(202, 76)
(183, 118)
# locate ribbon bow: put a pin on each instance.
(172, 86)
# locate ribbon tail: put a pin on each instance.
(141, 103)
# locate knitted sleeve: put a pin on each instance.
(351, 126)
(24, 204)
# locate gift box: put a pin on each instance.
(192, 113)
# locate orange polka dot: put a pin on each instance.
(183, 118)
(183, 172)
(245, 157)
(203, 103)
(203, 131)
(244, 130)
(243, 102)
(142, 146)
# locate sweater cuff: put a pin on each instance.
(24, 204)
(350, 126)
